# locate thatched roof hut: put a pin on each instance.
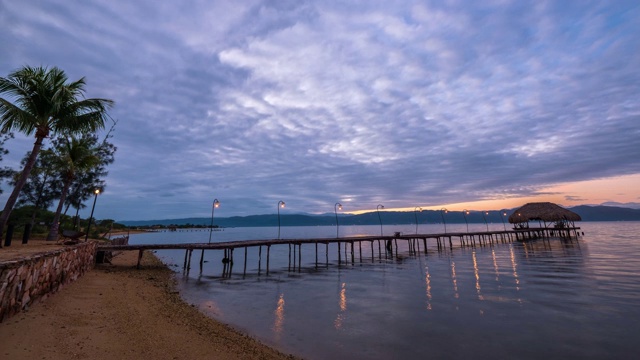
(542, 211)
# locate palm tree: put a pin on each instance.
(41, 188)
(45, 103)
(72, 156)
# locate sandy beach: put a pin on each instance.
(117, 312)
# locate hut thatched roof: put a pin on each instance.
(544, 211)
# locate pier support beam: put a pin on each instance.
(268, 251)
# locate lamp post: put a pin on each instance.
(379, 218)
(337, 207)
(216, 204)
(415, 213)
(442, 212)
(465, 212)
(485, 219)
(97, 191)
(280, 205)
(503, 213)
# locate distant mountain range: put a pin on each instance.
(587, 212)
(632, 205)
(606, 213)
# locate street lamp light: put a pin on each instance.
(485, 219)
(442, 212)
(97, 191)
(216, 204)
(280, 205)
(379, 218)
(503, 213)
(337, 207)
(465, 212)
(415, 213)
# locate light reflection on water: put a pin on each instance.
(540, 299)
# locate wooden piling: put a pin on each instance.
(244, 271)
(299, 256)
(268, 251)
(189, 263)
(201, 259)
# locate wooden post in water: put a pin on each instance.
(189, 263)
(225, 263)
(352, 254)
(294, 257)
(244, 272)
(268, 251)
(327, 253)
(299, 257)
(230, 261)
(259, 259)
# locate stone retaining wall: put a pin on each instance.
(33, 278)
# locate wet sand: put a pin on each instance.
(118, 312)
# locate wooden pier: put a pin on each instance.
(384, 244)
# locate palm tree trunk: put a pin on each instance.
(53, 230)
(68, 205)
(11, 201)
(75, 220)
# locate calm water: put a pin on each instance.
(550, 299)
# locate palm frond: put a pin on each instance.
(16, 119)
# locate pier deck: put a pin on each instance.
(390, 242)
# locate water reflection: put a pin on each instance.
(477, 275)
(428, 281)
(343, 297)
(343, 307)
(555, 247)
(454, 279)
(495, 264)
(514, 266)
(279, 316)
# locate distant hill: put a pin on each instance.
(587, 212)
(606, 213)
(632, 205)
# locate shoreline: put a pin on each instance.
(116, 311)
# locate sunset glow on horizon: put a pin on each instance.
(619, 189)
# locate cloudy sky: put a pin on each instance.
(458, 104)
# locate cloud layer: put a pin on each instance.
(312, 102)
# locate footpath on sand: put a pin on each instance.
(117, 312)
